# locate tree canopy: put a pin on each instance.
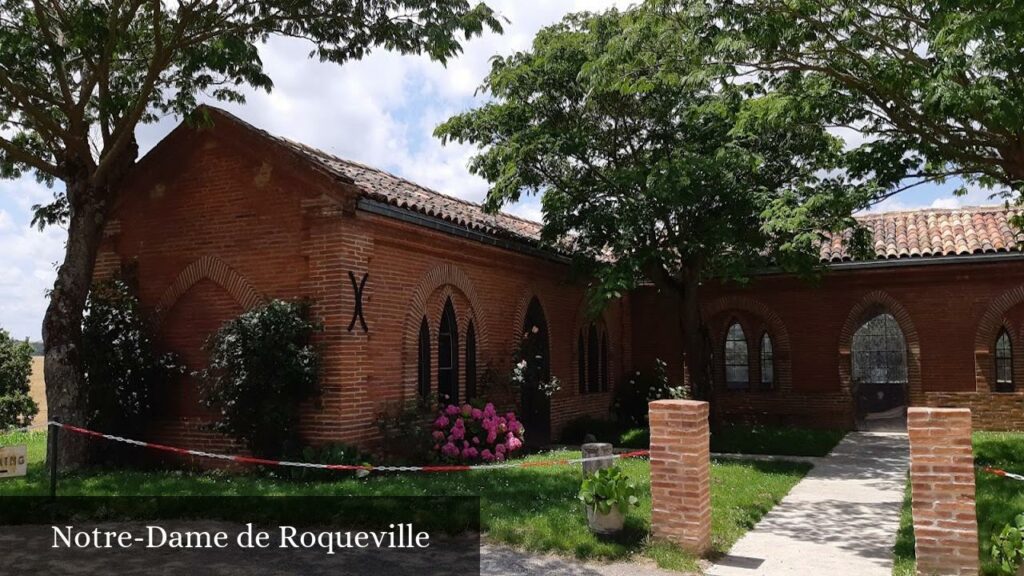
(77, 77)
(654, 163)
(934, 89)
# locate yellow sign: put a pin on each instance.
(13, 461)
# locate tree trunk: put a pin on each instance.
(66, 394)
(695, 350)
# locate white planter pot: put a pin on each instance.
(605, 524)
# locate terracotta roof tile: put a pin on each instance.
(933, 232)
(907, 234)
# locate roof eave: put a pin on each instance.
(414, 217)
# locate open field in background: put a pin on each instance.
(533, 509)
(38, 388)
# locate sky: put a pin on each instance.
(381, 111)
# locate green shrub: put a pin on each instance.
(405, 429)
(630, 405)
(635, 438)
(576, 430)
(121, 365)
(1008, 546)
(16, 406)
(334, 453)
(262, 367)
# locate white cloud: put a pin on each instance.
(381, 111)
(28, 264)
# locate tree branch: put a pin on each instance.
(19, 155)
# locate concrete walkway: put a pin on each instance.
(498, 560)
(841, 519)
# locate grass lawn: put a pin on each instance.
(534, 509)
(778, 440)
(740, 439)
(999, 500)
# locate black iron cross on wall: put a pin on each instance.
(357, 313)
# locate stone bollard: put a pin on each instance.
(681, 474)
(942, 490)
(594, 450)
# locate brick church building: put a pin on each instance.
(423, 293)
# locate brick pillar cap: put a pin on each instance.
(927, 410)
(678, 404)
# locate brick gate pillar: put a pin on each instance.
(942, 487)
(680, 474)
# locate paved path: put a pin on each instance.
(498, 560)
(841, 519)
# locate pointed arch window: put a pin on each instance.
(470, 362)
(447, 356)
(767, 362)
(604, 362)
(879, 352)
(423, 360)
(593, 360)
(1004, 362)
(737, 360)
(581, 363)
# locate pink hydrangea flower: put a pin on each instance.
(513, 443)
(450, 450)
(451, 410)
(441, 422)
(477, 413)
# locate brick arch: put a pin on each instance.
(443, 281)
(217, 271)
(776, 328)
(992, 321)
(866, 308)
(528, 294)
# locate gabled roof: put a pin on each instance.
(934, 233)
(927, 233)
(396, 191)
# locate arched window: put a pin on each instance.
(1004, 362)
(470, 362)
(581, 363)
(879, 352)
(448, 356)
(536, 405)
(737, 362)
(604, 362)
(593, 360)
(767, 362)
(423, 360)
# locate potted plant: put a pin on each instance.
(607, 495)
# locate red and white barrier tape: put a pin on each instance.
(355, 467)
(1003, 473)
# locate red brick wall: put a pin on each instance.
(942, 486)
(681, 474)
(949, 315)
(215, 221)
